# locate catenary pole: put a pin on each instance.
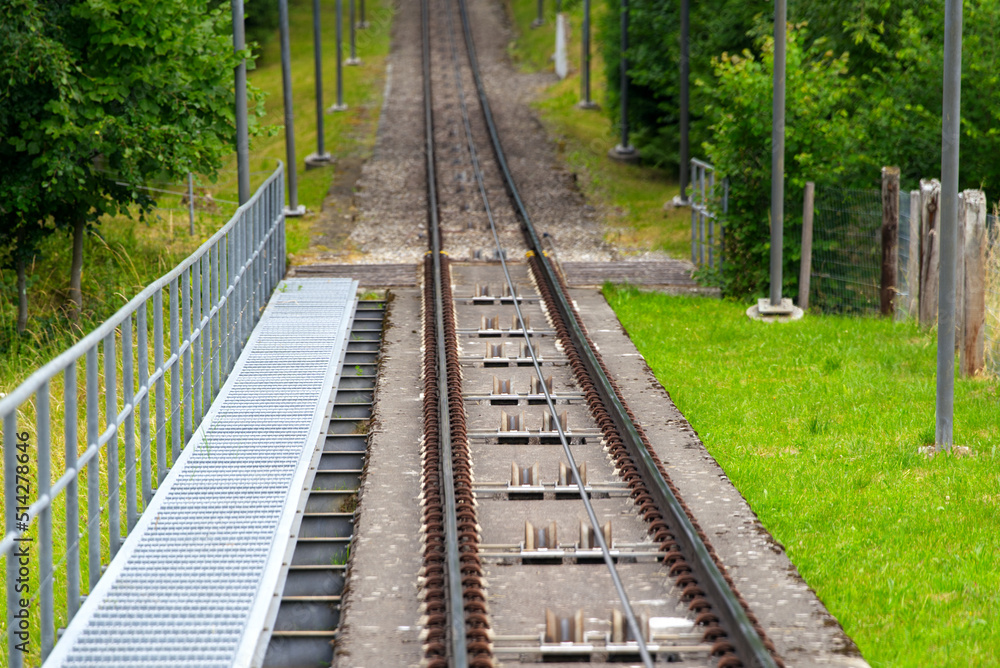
(242, 127)
(950, 118)
(624, 150)
(339, 105)
(585, 102)
(685, 97)
(286, 89)
(353, 60)
(318, 58)
(778, 151)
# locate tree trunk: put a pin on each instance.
(76, 270)
(22, 297)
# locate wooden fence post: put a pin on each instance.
(890, 239)
(805, 267)
(972, 324)
(930, 250)
(913, 262)
(959, 270)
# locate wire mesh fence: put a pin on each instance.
(196, 199)
(846, 263)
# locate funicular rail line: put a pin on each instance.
(458, 625)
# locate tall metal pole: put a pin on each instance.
(353, 60)
(242, 127)
(778, 151)
(339, 105)
(362, 23)
(585, 101)
(624, 150)
(320, 157)
(949, 223)
(540, 19)
(685, 97)
(293, 208)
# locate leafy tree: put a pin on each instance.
(654, 65)
(99, 93)
(820, 145)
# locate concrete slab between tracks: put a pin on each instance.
(805, 633)
(367, 275)
(670, 276)
(381, 609)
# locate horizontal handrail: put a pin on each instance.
(47, 372)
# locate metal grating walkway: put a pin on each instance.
(192, 584)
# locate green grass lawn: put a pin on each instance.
(818, 424)
(631, 197)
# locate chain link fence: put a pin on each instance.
(847, 255)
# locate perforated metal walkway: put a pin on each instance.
(192, 585)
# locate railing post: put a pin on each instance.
(175, 385)
(161, 424)
(216, 320)
(187, 398)
(72, 494)
(45, 519)
(194, 345)
(128, 399)
(206, 336)
(110, 420)
(143, 357)
(711, 222)
(694, 215)
(93, 474)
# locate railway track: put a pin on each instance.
(550, 528)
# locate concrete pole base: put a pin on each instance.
(315, 161)
(584, 104)
(361, 25)
(678, 202)
(765, 312)
(337, 107)
(537, 23)
(624, 153)
(300, 210)
(352, 61)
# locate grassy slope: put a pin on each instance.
(818, 424)
(632, 197)
(127, 254)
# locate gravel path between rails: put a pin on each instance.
(390, 196)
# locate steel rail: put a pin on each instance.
(630, 617)
(749, 645)
(457, 636)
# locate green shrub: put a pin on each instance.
(820, 145)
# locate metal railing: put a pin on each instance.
(213, 300)
(704, 205)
